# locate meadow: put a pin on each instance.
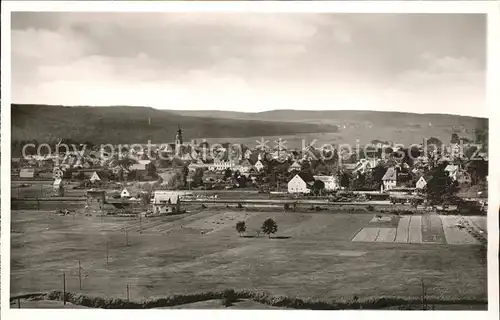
(312, 256)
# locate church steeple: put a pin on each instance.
(178, 141)
(178, 136)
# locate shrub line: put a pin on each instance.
(230, 296)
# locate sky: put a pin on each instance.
(252, 61)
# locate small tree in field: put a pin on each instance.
(241, 227)
(269, 227)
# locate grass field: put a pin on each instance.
(311, 256)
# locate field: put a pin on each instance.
(311, 256)
(430, 228)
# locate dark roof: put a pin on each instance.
(307, 177)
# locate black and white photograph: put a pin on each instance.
(248, 160)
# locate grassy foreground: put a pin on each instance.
(311, 258)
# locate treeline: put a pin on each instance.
(127, 125)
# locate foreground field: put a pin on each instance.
(312, 256)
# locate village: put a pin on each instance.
(155, 182)
(134, 207)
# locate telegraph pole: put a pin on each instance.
(126, 237)
(140, 222)
(80, 274)
(107, 260)
(64, 288)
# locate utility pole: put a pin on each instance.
(423, 293)
(80, 274)
(126, 237)
(128, 293)
(140, 222)
(107, 260)
(64, 288)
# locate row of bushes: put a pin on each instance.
(229, 296)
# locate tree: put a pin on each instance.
(441, 188)
(344, 179)
(198, 177)
(318, 186)
(227, 173)
(454, 138)
(241, 227)
(269, 227)
(359, 183)
(184, 175)
(377, 174)
(481, 133)
(126, 162)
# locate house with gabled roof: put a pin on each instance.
(125, 194)
(331, 182)
(27, 173)
(259, 165)
(165, 202)
(389, 180)
(421, 183)
(301, 183)
(95, 177)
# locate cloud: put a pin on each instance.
(253, 61)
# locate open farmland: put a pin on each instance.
(312, 256)
(429, 228)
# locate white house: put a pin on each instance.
(247, 154)
(166, 201)
(301, 183)
(58, 184)
(221, 165)
(244, 167)
(452, 171)
(259, 166)
(125, 194)
(389, 179)
(95, 177)
(421, 183)
(331, 182)
(27, 173)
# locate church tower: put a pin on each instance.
(178, 140)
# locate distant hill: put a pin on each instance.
(341, 117)
(123, 124)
